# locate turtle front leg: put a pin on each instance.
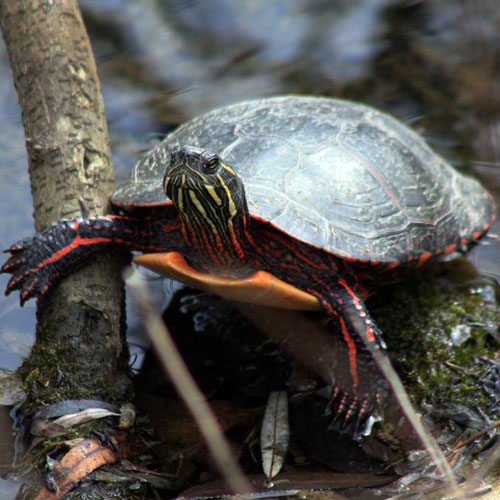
(359, 387)
(37, 263)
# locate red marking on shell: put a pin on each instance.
(392, 265)
(348, 258)
(423, 258)
(476, 235)
(450, 248)
(463, 241)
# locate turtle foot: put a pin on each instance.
(38, 262)
(30, 266)
(352, 415)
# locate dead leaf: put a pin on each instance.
(275, 433)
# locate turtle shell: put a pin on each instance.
(339, 175)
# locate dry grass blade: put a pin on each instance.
(404, 401)
(186, 387)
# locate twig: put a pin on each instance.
(183, 382)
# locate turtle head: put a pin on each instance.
(210, 198)
(202, 176)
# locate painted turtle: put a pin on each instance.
(332, 197)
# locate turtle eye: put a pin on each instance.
(211, 165)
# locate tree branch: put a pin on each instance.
(80, 332)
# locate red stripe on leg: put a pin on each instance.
(352, 353)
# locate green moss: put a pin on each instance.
(435, 332)
(55, 373)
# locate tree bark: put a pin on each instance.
(80, 349)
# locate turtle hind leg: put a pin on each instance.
(359, 387)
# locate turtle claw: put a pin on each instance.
(350, 413)
(30, 274)
(27, 289)
(19, 281)
(13, 263)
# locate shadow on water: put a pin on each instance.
(430, 63)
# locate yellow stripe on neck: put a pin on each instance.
(232, 206)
